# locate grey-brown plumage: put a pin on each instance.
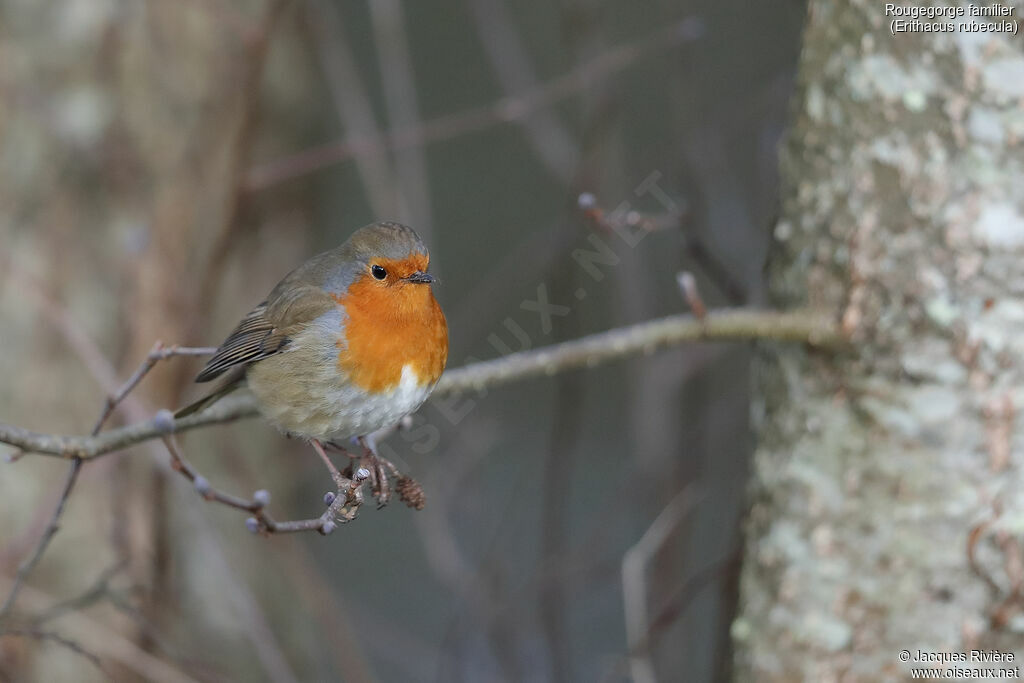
(300, 298)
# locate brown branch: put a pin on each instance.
(680, 598)
(397, 78)
(802, 326)
(688, 286)
(511, 63)
(203, 488)
(351, 100)
(509, 109)
(814, 328)
(25, 568)
(50, 636)
(99, 590)
(108, 643)
(634, 580)
(343, 504)
(257, 46)
(158, 354)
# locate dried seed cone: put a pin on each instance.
(411, 493)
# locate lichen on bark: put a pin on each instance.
(902, 212)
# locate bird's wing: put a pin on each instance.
(268, 328)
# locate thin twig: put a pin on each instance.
(677, 601)
(553, 144)
(62, 320)
(257, 47)
(52, 637)
(112, 644)
(814, 328)
(809, 327)
(351, 101)
(202, 484)
(145, 626)
(634, 581)
(688, 286)
(344, 505)
(508, 109)
(676, 218)
(157, 354)
(26, 567)
(398, 81)
(108, 643)
(99, 590)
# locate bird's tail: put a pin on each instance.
(210, 398)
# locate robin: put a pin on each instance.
(347, 344)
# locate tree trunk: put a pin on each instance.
(882, 470)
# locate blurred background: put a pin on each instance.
(164, 164)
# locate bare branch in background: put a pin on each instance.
(612, 221)
(508, 109)
(634, 581)
(99, 590)
(158, 354)
(551, 141)
(112, 644)
(25, 568)
(688, 286)
(327, 606)
(398, 81)
(344, 503)
(50, 636)
(257, 46)
(352, 103)
(105, 642)
(678, 218)
(680, 597)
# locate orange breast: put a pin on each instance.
(387, 328)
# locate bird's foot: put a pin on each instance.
(382, 471)
(384, 478)
(379, 469)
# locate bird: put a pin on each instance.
(347, 344)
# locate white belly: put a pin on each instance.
(368, 412)
(320, 407)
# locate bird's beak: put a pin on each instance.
(419, 277)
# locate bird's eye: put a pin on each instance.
(378, 272)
